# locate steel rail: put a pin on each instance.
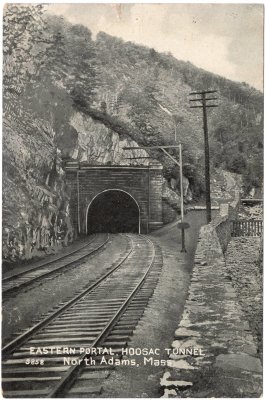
(21, 339)
(68, 378)
(53, 271)
(9, 278)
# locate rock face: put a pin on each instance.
(171, 197)
(129, 89)
(97, 144)
(36, 218)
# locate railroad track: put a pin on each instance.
(103, 315)
(19, 281)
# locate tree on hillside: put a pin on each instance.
(81, 79)
(42, 52)
(22, 28)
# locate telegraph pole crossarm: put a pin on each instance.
(206, 106)
(210, 98)
(137, 158)
(176, 146)
(204, 92)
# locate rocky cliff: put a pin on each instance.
(68, 97)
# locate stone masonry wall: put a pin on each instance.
(222, 359)
(155, 198)
(242, 263)
(144, 184)
(223, 222)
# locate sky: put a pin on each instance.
(226, 39)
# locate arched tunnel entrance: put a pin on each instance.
(113, 211)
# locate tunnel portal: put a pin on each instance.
(127, 198)
(113, 211)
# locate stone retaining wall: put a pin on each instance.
(220, 357)
(222, 224)
(242, 263)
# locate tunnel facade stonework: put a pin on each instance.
(142, 183)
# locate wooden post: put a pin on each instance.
(203, 100)
(78, 202)
(207, 161)
(183, 248)
(181, 182)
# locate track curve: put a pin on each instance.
(91, 319)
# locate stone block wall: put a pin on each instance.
(222, 224)
(143, 184)
(155, 198)
(214, 351)
(243, 265)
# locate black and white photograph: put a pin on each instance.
(132, 200)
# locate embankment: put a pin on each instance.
(213, 327)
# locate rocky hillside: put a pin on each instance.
(67, 96)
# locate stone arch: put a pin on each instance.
(113, 191)
(143, 183)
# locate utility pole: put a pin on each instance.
(183, 249)
(204, 105)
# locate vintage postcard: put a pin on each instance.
(132, 217)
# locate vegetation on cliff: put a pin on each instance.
(67, 96)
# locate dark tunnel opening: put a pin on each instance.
(113, 211)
